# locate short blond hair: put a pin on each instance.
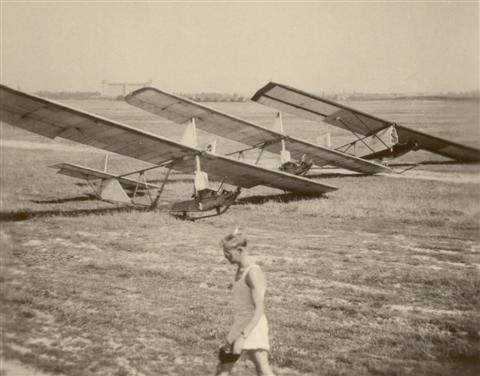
(234, 240)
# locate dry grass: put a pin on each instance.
(378, 278)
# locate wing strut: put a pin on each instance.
(261, 145)
(93, 188)
(355, 134)
(362, 139)
(146, 169)
(259, 156)
(285, 156)
(370, 130)
(160, 191)
(105, 163)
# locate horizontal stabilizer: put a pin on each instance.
(81, 172)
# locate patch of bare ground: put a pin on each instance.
(15, 368)
(449, 177)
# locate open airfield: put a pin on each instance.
(381, 277)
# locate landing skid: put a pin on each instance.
(208, 201)
(186, 216)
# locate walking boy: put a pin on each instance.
(249, 333)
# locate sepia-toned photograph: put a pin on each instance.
(239, 188)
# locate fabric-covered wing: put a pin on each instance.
(181, 110)
(52, 120)
(312, 107)
(246, 175)
(82, 172)
(309, 106)
(438, 145)
(298, 148)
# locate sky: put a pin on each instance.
(237, 47)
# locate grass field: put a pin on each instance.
(381, 277)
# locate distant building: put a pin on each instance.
(120, 89)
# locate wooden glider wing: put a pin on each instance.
(82, 172)
(181, 110)
(309, 106)
(440, 146)
(247, 175)
(52, 120)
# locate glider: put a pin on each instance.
(380, 139)
(52, 120)
(296, 155)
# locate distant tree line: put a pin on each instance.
(470, 95)
(214, 97)
(227, 97)
(69, 94)
(198, 97)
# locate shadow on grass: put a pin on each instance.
(67, 199)
(23, 215)
(444, 163)
(426, 163)
(17, 216)
(87, 197)
(282, 197)
(320, 175)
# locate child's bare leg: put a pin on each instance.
(260, 359)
